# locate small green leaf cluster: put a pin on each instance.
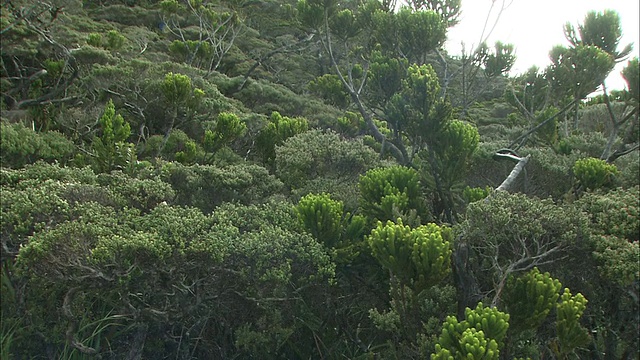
(344, 24)
(418, 108)
(170, 6)
(475, 194)
(178, 90)
(276, 132)
(548, 133)
(500, 60)
(631, 74)
(570, 333)
(330, 89)
(478, 336)
(191, 49)
(178, 146)
(530, 298)
(228, 128)
(326, 220)
(594, 173)
(454, 148)
(419, 257)
(322, 217)
(389, 192)
(114, 40)
(110, 149)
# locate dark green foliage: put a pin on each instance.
(207, 186)
(329, 88)
(630, 75)
(510, 233)
(198, 252)
(269, 262)
(601, 29)
(20, 145)
(322, 154)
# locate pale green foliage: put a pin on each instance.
(530, 298)
(594, 173)
(454, 148)
(169, 6)
(478, 336)
(419, 257)
(94, 39)
(114, 128)
(570, 333)
(391, 192)
(615, 221)
(177, 90)
(330, 89)
(113, 40)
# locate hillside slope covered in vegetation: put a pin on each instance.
(242, 179)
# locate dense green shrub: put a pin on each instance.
(207, 186)
(20, 145)
(315, 154)
(616, 226)
(512, 232)
(109, 263)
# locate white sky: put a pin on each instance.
(535, 27)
